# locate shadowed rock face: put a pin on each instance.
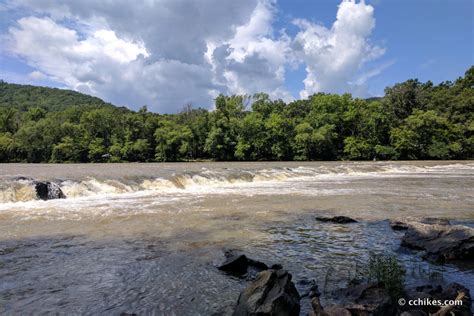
(368, 299)
(272, 293)
(441, 242)
(363, 299)
(372, 299)
(452, 291)
(48, 191)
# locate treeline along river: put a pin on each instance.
(413, 120)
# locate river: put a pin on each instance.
(146, 238)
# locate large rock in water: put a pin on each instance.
(441, 242)
(240, 265)
(48, 190)
(404, 224)
(272, 293)
(336, 219)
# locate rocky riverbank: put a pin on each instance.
(271, 290)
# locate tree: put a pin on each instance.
(225, 121)
(252, 141)
(66, 150)
(97, 150)
(357, 148)
(173, 142)
(426, 135)
(6, 147)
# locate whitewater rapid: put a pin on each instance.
(280, 180)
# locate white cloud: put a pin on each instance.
(166, 53)
(254, 60)
(334, 56)
(128, 54)
(37, 75)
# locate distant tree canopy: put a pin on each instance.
(414, 120)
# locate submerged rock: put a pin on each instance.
(434, 221)
(441, 242)
(271, 293)
(22, 178)
(308, 288)
(405, 224)
(236, 264)
(240, 265)
(398, 225)
(46, 190)
(336, 219)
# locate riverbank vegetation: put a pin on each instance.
(413, 120)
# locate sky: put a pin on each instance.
(169, 53)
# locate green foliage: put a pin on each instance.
(383, 269)
(173, 142)
(387, 270)
(24, 97)
(357, 148)
(414, 120)
(96, 150)
(67, 150)
(225, 127)
(426, 135)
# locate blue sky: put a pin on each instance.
(425, 39)
(167, 53)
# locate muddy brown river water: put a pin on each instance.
(146, 238)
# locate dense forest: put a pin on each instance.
(414, 120)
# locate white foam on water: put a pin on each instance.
(272, 181)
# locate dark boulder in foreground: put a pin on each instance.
(336, 219)
(240, 265)
(48, 190)
(441, 243)
(271, 293)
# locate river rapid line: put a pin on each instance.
(146, 238)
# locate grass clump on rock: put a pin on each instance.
(386, 269)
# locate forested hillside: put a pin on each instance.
(414, 120)
(22, 97)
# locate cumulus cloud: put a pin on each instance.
(37, 75)
(254, 60)
(166, 53)
(334, 56)
(154, 53)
